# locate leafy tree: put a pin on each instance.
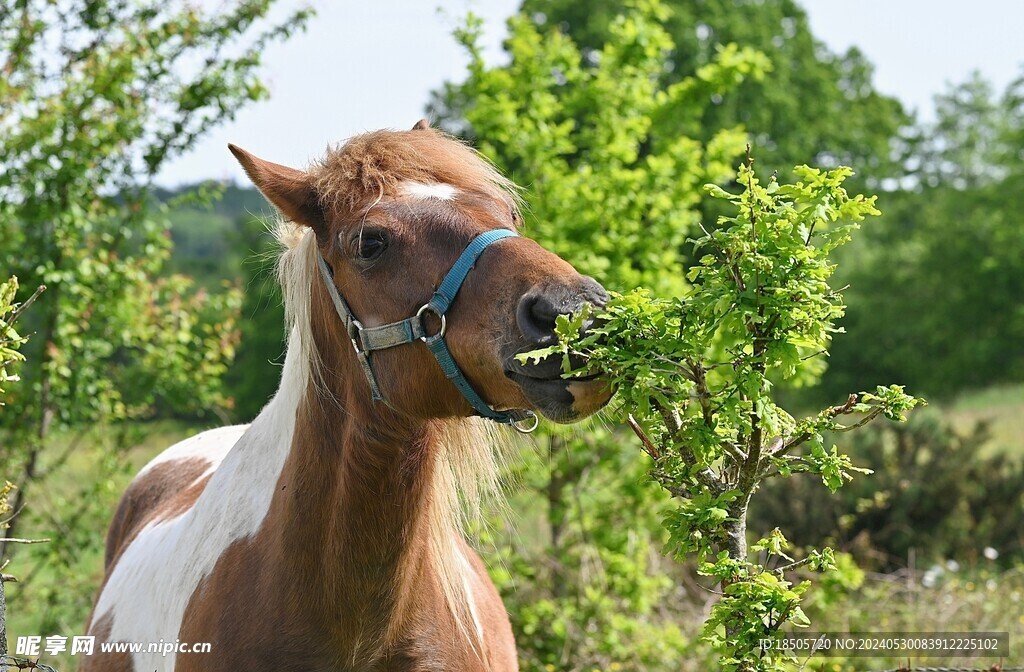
(96, 97)
(694, 376)
(10, 344)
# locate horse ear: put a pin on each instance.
(289, 190)
(421, 125)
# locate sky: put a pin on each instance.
(367, 65)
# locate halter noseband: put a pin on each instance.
(367, 339)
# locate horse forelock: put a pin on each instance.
(379, 165)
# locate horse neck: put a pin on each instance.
(362, 492)
(358, 522)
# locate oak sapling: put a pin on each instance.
(694, 377)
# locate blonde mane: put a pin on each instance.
(467, 459)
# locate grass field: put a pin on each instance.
(1002, 407)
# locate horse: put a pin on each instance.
(327, 534)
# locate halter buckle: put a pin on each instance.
(444, 323)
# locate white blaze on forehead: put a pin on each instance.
(437, 190)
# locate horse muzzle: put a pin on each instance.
(558, 398)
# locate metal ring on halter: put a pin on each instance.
(354, 335)
(530, 415)
(444, 324)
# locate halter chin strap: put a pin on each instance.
(367, 339)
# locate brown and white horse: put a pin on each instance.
(325, 535)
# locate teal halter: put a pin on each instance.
(367, 339)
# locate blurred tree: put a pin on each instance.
(96, 96)
(254, 374)
(953, 247)
(812, 106)
(212, 237)
(965, 147)
(223, 240)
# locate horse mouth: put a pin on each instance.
(561, 399)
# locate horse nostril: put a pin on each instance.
(535, 315)
(540, 307)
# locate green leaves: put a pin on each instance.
(10, 340)
(95, 100)
(697, 523)
(892, 401)
(754, 605)
(834, 468)
(760, 307)
(798, 101)
(578, 128)
(774, 544)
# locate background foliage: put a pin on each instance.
(612, 115)
(96, 96)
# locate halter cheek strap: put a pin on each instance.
(367, 339)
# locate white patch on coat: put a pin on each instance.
(210, 446)
(467, 578)
(439, 190)
(154, 578)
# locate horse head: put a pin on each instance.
(393, 214)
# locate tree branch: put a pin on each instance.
(9, 540)
(645, 440)
(793, 565)
(23, 306)
(705, 476)
(872, 414)
(833, 412)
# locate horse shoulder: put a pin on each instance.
(165, 488)
(173, 531)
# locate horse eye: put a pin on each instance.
(371, 245)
